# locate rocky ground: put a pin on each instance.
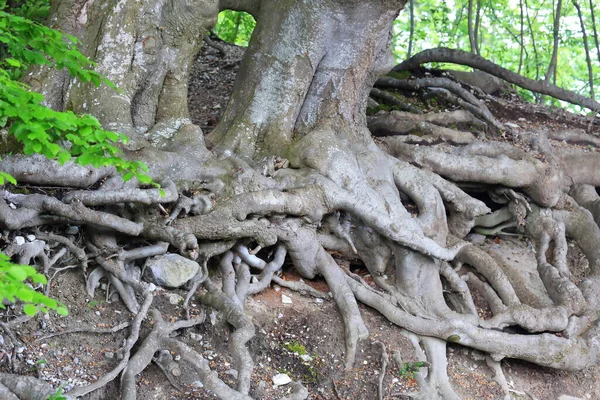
(298, 335)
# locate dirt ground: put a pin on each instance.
(298, 334)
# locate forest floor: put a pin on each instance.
(296, 334)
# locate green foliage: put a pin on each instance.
(57, 396)
(409, 369)
(235, 27)
(442, 24)
(14, 285)
(295, 347)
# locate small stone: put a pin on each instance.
(277, 288)
(195, 336)
(31, 238)
(20, 349)
(395, 380)
(174, 298)
(198, 384)
(476, 238)
(170, 270)
(232, 372)
(177, 357)
(511, 125)
(285, 299)
(281, 379)
(319, 300)
(12, 206)
(1, 340)
(306, 358)
(262, 384)
(19, 240)
(109, 354)
(97, 312)
(72, 230)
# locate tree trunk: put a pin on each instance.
(145, 49)
(310, 65)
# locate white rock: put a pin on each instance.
(476, 238)
(174, 298)
(511, 125)
(31, 238)
(281, 379)
(306, 358)
(170, 270)
(318, 300)
(285, 299)
(198, 384)
(19, 240)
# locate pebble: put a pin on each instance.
(319, 300)
(476, 238)
(31, 238)
(232, 372)
(109, 354)
(1, 340)
(196, 336)
(177, 357)
(277, 288)
(174, 298)
(281, 379)
(306, 358)
(19, 240)
(72, 230)
(198, 384)
(286, 299)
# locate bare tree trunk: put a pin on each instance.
(594, 29)
(551, 72)
(146, 50)
(471, 32)
(412, 28)
(588, 60)
(521, 34)
(477, 26)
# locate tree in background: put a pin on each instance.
(292, 172)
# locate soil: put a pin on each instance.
(303, 339)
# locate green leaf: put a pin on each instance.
(12, 62)
(30, 309)
(18, 272)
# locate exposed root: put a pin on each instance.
(382, 372)
(472, 60)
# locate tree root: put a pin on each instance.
(472, 60)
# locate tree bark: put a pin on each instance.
(302, 70)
